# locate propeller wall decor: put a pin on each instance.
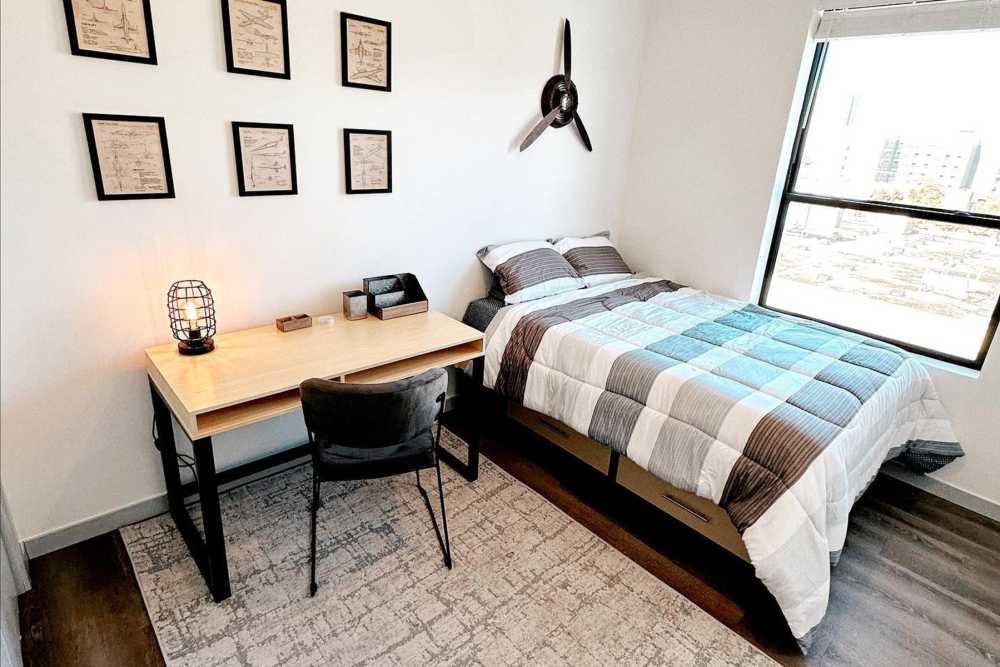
(560, 101)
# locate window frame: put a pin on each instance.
(789, 195)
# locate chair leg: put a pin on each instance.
(442, 542)
(312, 537)
(444, 514)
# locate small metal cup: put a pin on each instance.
(355, 305)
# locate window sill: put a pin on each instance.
(955, 369)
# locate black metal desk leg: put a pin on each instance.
(210, 554)
(470, 469)
(478, 415)
(168, 452)
(215, 541)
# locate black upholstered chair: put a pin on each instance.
(366, 431)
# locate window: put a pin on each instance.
(869, 237)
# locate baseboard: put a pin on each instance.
(960, 497)
(65, 536)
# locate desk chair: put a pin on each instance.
(367, 431)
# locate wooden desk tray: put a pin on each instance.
(293, 322)
(395, 295)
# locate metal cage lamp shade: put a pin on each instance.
(192, 316)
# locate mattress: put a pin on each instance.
(781, 421)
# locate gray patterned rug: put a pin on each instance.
(530, 585)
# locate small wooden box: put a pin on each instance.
(395, 296)
(293, 322)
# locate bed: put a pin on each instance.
(759, 429)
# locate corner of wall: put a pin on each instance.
(625, 210)
(784, 159)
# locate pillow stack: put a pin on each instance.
(528, 270)
(594, 258)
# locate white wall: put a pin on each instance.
(716, 91)
(84, 281)
(719, 86)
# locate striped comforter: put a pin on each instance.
(781, 421)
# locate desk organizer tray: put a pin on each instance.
(395, 296)
(293, 322)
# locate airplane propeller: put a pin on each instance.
(560, 100)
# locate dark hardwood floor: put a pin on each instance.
(84, 608)
(918, 583)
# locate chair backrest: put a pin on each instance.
(373, 415)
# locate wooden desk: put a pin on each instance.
(254, 375)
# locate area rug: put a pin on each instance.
(530, 585)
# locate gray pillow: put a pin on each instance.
(528, 270)
(594, 258)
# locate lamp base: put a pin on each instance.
(191, 348)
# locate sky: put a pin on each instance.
(912, 82)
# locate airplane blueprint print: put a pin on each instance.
(267, 159)
(111, 26)
(257, 35)
(367, 53)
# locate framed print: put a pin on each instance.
(130, 157)
(365, 52)
(265, 159)
(256, 34)
(368, 161)
(111, 29)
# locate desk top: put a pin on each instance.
(264, 362)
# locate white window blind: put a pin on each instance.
(860, 19)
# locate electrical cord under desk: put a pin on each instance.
(183, 460)
(186, 461)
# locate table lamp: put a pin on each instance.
(192, 316)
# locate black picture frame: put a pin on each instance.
(102, 195)
(228, 37)
(344, 16)
(347, 162)
(238, 147)
(77, 50)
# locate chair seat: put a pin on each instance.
(336, 462)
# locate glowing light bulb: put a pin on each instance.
(191, 315)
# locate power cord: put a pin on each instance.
(183, 460)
